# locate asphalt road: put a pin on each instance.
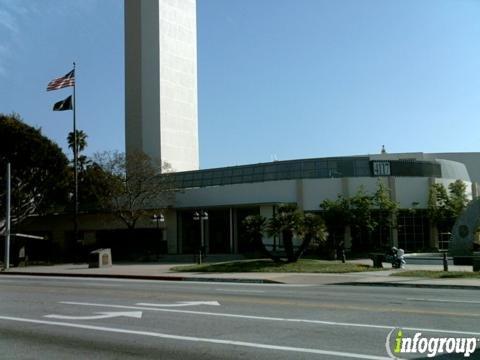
(76, 318)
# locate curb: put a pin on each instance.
(146, 277)
(426, 286)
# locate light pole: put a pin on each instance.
(158, 218)
(201, 216)
(7, 220)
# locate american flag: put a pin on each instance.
(61, 82)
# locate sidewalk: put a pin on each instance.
(162, 272)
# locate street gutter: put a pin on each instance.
(146, 277)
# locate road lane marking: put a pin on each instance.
(245, 291)
(445, 301)
(182, 303)
(101, 315)
(268, 318)
(344, 307)
(87, 284)
(198, 339)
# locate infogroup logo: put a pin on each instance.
(430, 346)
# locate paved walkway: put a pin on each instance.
(162, 272)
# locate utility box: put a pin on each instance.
(100, 258)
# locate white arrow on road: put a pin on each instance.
(101, 315)
(182, 303)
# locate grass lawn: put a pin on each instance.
(432, 274)
(302, 265)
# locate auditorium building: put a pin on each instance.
(211, 204)
(161, 120)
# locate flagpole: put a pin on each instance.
(75, 162)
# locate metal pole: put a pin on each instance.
(201, 238)
(7, 221)
(75, 163)
(232, 250)
(445, 262)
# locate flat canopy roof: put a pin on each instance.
(335, 167)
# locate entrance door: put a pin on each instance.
(218, 231)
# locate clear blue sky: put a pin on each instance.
(285, 78)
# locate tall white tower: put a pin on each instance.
(161, 81)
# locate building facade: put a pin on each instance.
(161, 121)
(161, 81)
(225, 196)
(231, 193)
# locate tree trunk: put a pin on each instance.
(288, 245)
(263, 250)
(303, 246)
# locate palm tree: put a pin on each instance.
(313, 232)
(254, 227)
(81, 140)
(286, 223)
(81, 145)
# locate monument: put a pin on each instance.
(464, 237)
(161, 81)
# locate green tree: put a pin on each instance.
(94, 187)
(254, 227)
(135, 185)
(81, 140)
(313, 233)
(363, 212)
(361, 205)
(94, 184)
(438, 203)
(83, 161)
(337, 215)
(444, 206)
(39, 170)
(288, 222)
(336, 211)
(387, 210)
(458, 200)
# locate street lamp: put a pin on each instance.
(201, 216)
(158, 218)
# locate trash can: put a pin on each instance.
(476, 263)
(377, 259)
(100, 258)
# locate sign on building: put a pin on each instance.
(381, 168)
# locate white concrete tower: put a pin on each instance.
(161, 80)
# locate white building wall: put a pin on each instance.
(161, 81)
(317, 190)
(411, 190)
(408, 190)
(470, 159)
(239, 194)
(178, 84)
(369, 184)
